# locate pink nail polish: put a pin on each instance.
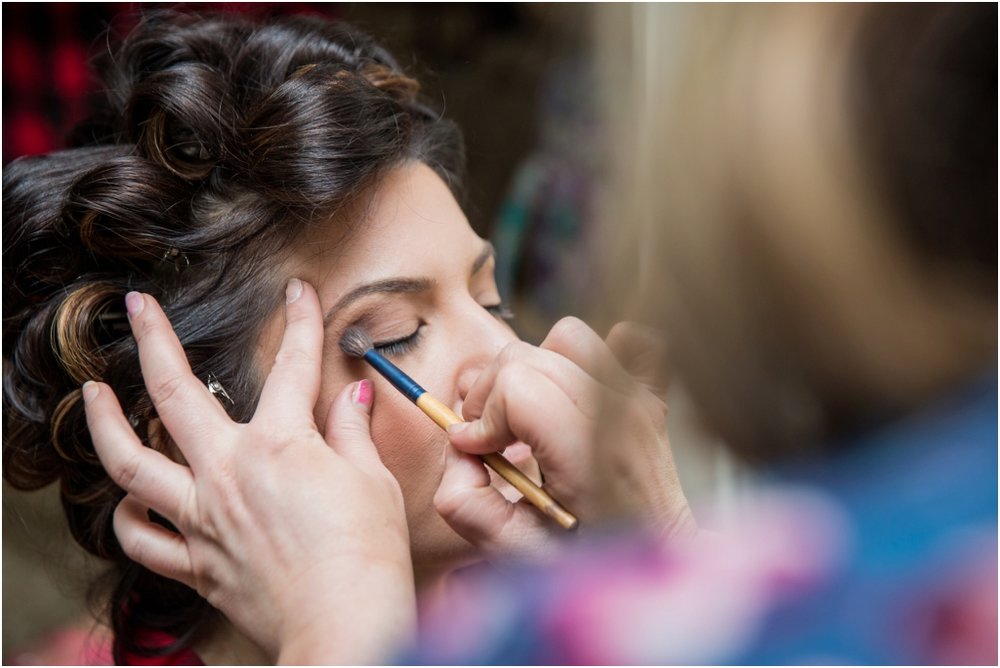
(133, 304)
(363, 393)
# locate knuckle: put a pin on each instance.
(189, 514)
(485, 428)
(127, 472)
(294, 357)
(132, 544)
(296, 315)
(624, 329)
(349, 431)
(441, 502)
(166, 390)
(207, 583)
(449, 502)
(143, 327)
(510, 389)
(269, 443)
(472, 407)
(493, 429)
(118, 519)
(509, 353)
(134, 547)
(510, 378)
(569, 330)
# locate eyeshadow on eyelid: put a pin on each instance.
(379, 323)
(365, 318)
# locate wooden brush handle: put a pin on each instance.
(538, 497)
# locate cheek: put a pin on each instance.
(410, 445)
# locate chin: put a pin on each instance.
(436, 549)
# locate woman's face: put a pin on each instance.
(413, 273)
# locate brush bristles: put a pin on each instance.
(356, 342)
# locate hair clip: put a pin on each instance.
(176, 258)
(217, 390)
(115, 322)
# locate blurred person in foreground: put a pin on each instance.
(818, 213)
(820, 191)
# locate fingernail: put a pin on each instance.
(134, 304)
(90, 390)
(293, 290)
(458, 427)
(362, 394)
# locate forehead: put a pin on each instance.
(411, 226)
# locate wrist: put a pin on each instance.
(365, 615)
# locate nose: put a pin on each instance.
(483, 337)
(466, 377)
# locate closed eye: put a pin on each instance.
(405, 344)
(399, 346)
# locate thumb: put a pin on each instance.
(643, 352)
(348, 424)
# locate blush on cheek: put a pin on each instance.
(411, 447)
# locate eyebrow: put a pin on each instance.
(400, 285)
(388, 286)
(484, 255)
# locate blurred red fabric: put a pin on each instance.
(47, 81)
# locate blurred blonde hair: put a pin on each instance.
(761, 229)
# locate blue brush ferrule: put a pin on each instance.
(394, 375)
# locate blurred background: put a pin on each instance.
(521, 81)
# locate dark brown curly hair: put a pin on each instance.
(221, 140)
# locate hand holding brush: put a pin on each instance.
(357, 343)
(593, 412)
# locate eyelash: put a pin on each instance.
(501, 311)
(403, 345)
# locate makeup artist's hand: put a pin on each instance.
(593, 413)
(320, 567)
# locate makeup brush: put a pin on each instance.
(357, 343)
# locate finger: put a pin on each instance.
(348, 425)
(642, 352)
(468, 502)
(572, 381)
(183, 403)
(292, 386)
(478, 512)
(525, 405)
(146, 474)
(155, 547)
(576, 341)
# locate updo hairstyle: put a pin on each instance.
(221, 141)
